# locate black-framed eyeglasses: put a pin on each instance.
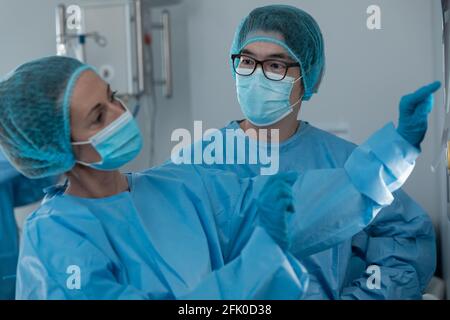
(273, 69)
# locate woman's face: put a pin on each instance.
(93, 107)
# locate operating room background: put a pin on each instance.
(367, 73)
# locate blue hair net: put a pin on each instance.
(35, 115)
(301, 38)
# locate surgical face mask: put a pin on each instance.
(263, 101)
(117, 144)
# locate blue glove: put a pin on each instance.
(274, 204)
(414, 110)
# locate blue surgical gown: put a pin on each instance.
(15, 191)
(400, 240)
(185, 232)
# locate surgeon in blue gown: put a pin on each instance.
(174, 232)
(15, 191)
(278, 61)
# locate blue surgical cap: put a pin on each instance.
(301, 38)
(35, 115)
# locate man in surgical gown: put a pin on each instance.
(15, 191)
(400, 241)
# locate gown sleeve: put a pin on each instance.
(253, 267)
(400, 242)
(60, 261)
(331, 205)
(334, 205)
(57, 245)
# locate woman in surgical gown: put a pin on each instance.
(173, 232)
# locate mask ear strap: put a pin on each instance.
(293, 105)
(297, 80)
(299, 100)
(82, 143)
(87, 164)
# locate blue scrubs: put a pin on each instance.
(15, 191)
(185, 232)
(401, 240)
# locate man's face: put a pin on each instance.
(270, 51)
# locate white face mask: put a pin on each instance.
(263, 101)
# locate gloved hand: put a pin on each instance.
(274, 204)
(414, 110)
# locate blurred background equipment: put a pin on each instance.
(116, 38)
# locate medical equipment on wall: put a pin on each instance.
(115, 37)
